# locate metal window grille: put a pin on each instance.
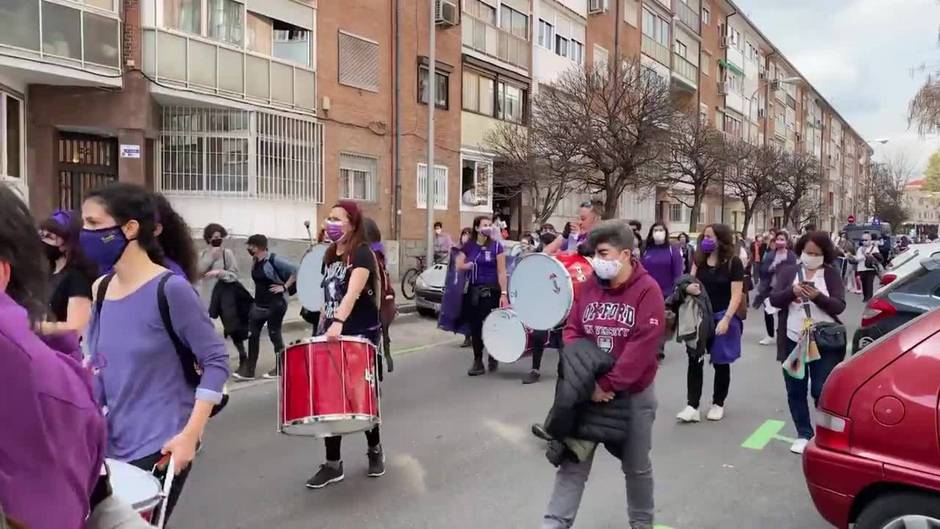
(358, 62)
(357, 176)
(241, 153)
(440, 186)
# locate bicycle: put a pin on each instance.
(411, 276)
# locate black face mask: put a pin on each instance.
(215, 243)
(52, 252)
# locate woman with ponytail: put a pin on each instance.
(157, 403)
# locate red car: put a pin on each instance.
(875, 460)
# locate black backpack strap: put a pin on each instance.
(102, 291)
(186, 356)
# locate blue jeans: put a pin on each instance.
(816, 374)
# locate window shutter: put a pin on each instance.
(358, 62)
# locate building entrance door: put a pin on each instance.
(84, 163)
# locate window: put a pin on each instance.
(676, 213)
(475, 183)
(259, 34)
(480, 10)
(577, 52)
(478, 93)
(226, 21)
(682, 50)
(183, 15)
(357, 176)
(546, 34)
(291, 43)
(440, 186)
(706, 16)
(510, 100)
(358, 62)
(441, 89)
(11, 136)
(561, 45)
(601, 56)
(732, 126)
(655, 28)
(514, 22)
(706, 63)
(734, 83)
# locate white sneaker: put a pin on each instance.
(715, 413)
(767, 340)
(689, 414)
(799, 445)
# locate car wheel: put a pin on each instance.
(426, 312)
(902, 510)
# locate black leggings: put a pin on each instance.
(769, 323)
(476, 313)
(334, 445)
(695, 379)
(868, 283)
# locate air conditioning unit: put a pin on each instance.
(446, 13)
(596, 7)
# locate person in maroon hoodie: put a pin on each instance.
(622, 311)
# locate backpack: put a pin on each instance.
(187, 358)
(292, 290)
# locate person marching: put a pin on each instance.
(387, 308)
(777, 254)
(483, 258)
(847, 248)
(229, 300)
(69, 306)
(866, 258)
(814, 285)
(273, 277)
(350, 279)
(720, 270)
(630, 332)
(539, 338)
(589, 214)
(148, 331)
(442, 243)
(663, 262)
(687, 251)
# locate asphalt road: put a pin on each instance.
(460, 454)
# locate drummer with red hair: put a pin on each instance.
(350, 278)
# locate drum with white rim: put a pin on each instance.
(135, 487)
(505, 337)
(310, 278)
(542, 289)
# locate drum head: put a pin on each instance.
(310, 279)
(133, 486)
(504, 335)
(540, 291)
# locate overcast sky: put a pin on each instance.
(859, 54)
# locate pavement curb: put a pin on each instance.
(296, 323)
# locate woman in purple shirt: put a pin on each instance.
(483, 259)
(152, 407)
(664, 262)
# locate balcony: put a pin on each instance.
(656, 50)
(84, 40)
(688, 16)
(495, 42)
(214, 68)
(685, 71)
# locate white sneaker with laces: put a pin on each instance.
(799, 446)
(767, 340)
(689, 414)
(715, 413)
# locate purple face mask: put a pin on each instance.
(334, 230)
(708, 245)
(104, 247)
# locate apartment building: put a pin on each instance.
(923, 208)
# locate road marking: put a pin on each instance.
(661, 527)
(764, 434)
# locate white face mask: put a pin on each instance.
(659, 236)
(606, 269)
(811, 262)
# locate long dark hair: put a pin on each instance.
(475, 231)
(649, 236)
(355, 237)
(21, 247)
(726, 248)
(821, 239)
(211, 229)
(67, 225)
(126, 202)
(175, 237)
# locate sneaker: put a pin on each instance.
(531, 377)
(539, 431)
(715, 413)
(476, 370)
(767, 340)
(799, 446)
(243, 375)
(689, 414)
(271, 374)
(376, 462)
(326, 475)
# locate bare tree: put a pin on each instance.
(802, 175)
(758, 170)
(535, 166)
(697, 155)
(617, 120)
(889, 180)
(925, 107)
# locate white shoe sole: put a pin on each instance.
(371, 475)
(334, 480)
(240, 378)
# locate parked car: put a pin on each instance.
(429, 290)
(899, 302)
(875, 460)
(908, 261)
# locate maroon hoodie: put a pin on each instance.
(627, 322)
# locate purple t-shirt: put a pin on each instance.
(664, 262)
(140, 378)
(573, 241)
(53, 441)
(484, 272)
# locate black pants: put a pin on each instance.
(476, 307)
(273, 317)
(147, 462)
(695, 379)
(868, 283)
(769, 323)
(538, 347)
(334, 445)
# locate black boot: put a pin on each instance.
(477, 368)
(242, 355)
(492, 364)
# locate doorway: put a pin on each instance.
(85, 162)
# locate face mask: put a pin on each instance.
(659, 237)
(103, 247)
(252, 252)
(464, 238)
(52, 252)
(708, 245)
(780, 244)
(487, 231)
(437, 231)
(811, 262)
(606, 269)
(215, 243)
(866, 243)
(334, 231)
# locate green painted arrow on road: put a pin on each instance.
(764, 434)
